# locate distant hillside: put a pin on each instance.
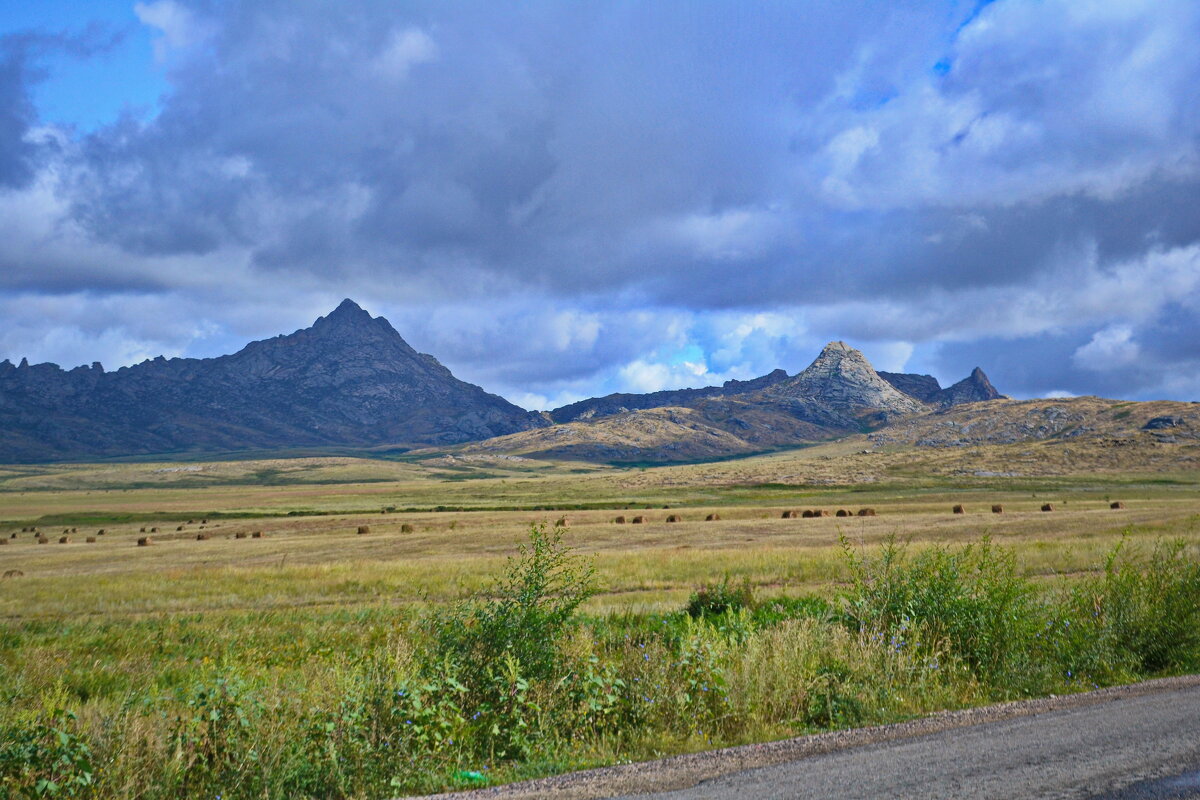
(350, 379)
(839, 394)
(1113, 422)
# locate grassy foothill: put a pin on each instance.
(457, 648)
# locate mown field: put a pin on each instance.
(317, 661)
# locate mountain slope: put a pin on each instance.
(350, 379)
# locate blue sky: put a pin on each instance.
(564, 199)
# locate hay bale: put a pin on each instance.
(406, 528)
(866, 512)
(144, 541)
(154, 530)
(959, 510)
(12, 573)
(841, 512)
(364, 529)
(74, 530)
(997, 509)
(712, 518)
(1116, 505)
(240, 535)
(788, 515)
(100, 532)
(64, 540)
(620, 520)
(256, 535)
(190, 521)
(179, 528)
(3, 541)
(90, 540)
(673, 518)
(142, 530)
(203, 522)
(201, 537)
(562, 522)
(43, 540)
(1048, 507)
(822, 512)
(66, 531)
(808, 513)
(13, 535)
(638, 520)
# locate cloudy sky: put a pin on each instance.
(563, 199)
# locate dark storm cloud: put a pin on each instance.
(570, 198)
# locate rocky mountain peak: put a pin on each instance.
(842, 378)
(974, 388)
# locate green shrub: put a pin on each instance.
(1145, 607)
(972, 598)
(45, 758)
(710, 601)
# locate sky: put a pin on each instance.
(560, 200)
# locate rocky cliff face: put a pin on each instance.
(839, 386)
(350, 379)
(974, 388)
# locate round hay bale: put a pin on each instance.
(866, 512)
(673, 518)
(3, 541)
(201, 537)
(179, 528)
(823, 512)
(142, 530)
(90, 540)
(13, 535)
(190, 521)
(256, 535)
(364, 529)
(808, 513)
(562, 522)
(788, 515)
(712, 518)
(1048, 507)
(64, 540)
(638, 520)
(74, 530)
(620, 520)
(144, 541)
(43, 540)
(997, 509)
(959, 509)
(66, 531)
(154, 530)
(406, 528)
(100, 532)
(240, 535)
(203, 522)
(841, 512)
(1116, 505)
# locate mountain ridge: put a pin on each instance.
(351, 379)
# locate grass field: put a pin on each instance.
(299, 616)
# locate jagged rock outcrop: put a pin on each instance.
(349, 380)
(975, 388)
(923, 387)
(839, 386)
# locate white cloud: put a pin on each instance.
(1111, 348)
(404, 50)
(179, 27)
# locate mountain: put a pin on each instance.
(620, 403)
(975, 388)
(349, 380)
(838, 394)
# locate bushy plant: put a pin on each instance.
(499, 643)
(1145, 607)
(712, 600)
(45, 758)
(971, 597)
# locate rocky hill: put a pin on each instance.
(839, 394)
(350, 379)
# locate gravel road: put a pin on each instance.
(1123, 743)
